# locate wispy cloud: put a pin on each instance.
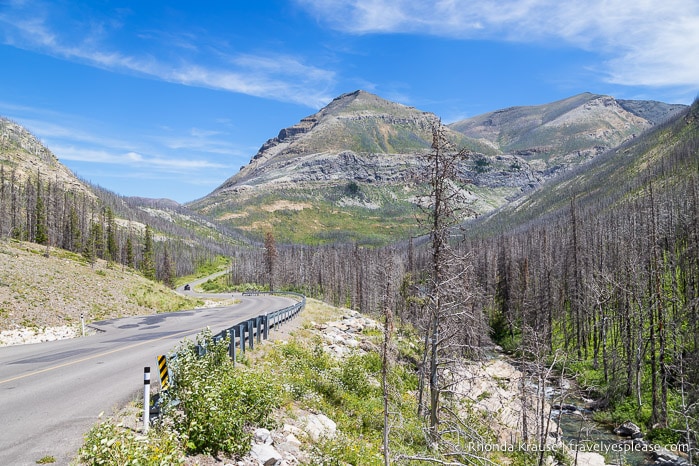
(71, 143)
(134, 159)
(271, 75)
(645, 42)
(299, 83)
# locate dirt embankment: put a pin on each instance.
(50, 288)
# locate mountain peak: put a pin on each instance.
(363, 102)
(357, 122)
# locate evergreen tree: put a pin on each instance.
(168, 270)
(112, 247)
(128, 254)
(270, 258)
(72, 236)
(89, 249)
(3, 201)
(97, 239)
(148, 262)
(41, 235)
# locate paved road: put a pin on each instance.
(52, 393)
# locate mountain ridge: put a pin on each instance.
(582, 126)
(355, 170)
(362, 140)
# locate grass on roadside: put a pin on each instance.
(220, 405)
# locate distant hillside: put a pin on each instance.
(568, 131)
(23, 156)
(667, 153)
(353, 172)
(37, 291)
(42, 201)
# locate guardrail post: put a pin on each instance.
(265, 322)
(251, 331)
(231, 344)
(146, 398)
(241, 332)
(258, 326)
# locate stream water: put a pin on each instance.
(582, 433)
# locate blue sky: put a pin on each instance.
(170, 98)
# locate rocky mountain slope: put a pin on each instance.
(22, 155)
(568, 131)
(354, 170)
(346, 139)
(666, 153)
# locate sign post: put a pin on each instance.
(146, 399)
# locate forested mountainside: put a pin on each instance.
(355, 171)
(599, 270)
(43, 202)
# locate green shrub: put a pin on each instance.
(664, 436)
(348, 391)
(344, 450)
(109, 444)
(216, 401)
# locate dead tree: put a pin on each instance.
(445, 289)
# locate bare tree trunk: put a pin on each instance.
(434, 380)
(421, 407)
(385, 351)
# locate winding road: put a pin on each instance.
(52, 393)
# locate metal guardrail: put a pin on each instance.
(257, 328)
(243, 333)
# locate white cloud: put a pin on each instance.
(76, 139)
(272, 76)
(295, 82)
(132, 159)
(644, 42)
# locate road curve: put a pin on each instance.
(52, 393)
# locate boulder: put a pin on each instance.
(665, 457)
(590, 458)
(627, 429)
(263, 436)
(266, 454)
(318, 426)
